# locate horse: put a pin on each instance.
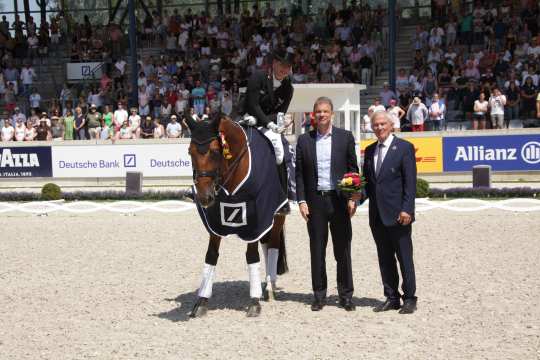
(220, 156)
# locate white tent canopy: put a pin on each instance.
(346, 99)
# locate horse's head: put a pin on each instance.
(206, 158)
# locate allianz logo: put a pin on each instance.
(530, 153)
(7, 159)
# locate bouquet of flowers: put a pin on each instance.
(352, 183)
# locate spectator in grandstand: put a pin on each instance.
(159, 129)
(528, 96)
(144, 101)
(147, 128)
(480, 112)
(417, 114)
(28, 74)
(174, 129)
(34, 99)
(125, 132)
(93, 122)
(198, 96)
(69, 125)
(20, 130)
(437, 111)
(468, 97)
(106, 132)
(80, 124)
(397, 113)
(30, 131)
(497, 101)
(7, 131)
(10, 99)
(119, 116)
(43, 132)
(134, 121)
(366, 64)
(429, 86)
(57, 129)
(17, 116)
(387, 94)
(512, 102)
(402, 82)
(377, 106)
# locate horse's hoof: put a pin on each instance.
(200, 308)
(270, 292)
(254, 308)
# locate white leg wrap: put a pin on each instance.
(255, 289)
(272, 264)
(264, 248)
(205, 290)
(275, 138)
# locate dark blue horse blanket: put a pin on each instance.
(248, 211)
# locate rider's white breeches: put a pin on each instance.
(275, 138)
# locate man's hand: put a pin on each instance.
(304, 211)
(357, 196)
(352, 207)
(404, 218)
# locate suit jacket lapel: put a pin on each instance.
(313, 137)
(333, 150)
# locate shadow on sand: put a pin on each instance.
(234, 295)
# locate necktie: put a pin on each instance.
(379, 159)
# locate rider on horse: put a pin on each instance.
(267, 100)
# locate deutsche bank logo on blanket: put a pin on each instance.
(233, 215)
(130, 160)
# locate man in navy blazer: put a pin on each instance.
(390, 171)
(323, 156)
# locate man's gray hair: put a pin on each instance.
(323, 100)
(382, 113)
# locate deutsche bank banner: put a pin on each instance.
(108, 161)
(502, 152)
(25, 161)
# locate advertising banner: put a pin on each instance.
(503, 152)
(103, 161)
(84, 71)
(428, 152)
(25, 161)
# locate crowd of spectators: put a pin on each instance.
(207, 60)
(481, 65)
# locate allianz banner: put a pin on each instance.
(25, 161)
(503, 152)
(110, 161)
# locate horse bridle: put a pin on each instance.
(215, 174)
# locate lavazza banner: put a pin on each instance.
(111, 161)
(25, 161)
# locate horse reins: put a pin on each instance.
(214, 174)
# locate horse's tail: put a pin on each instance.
(282, 267)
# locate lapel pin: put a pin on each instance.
(394, 147)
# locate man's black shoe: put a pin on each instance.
(389, 304)
(347, 304)
(409, 306)
(317, 305)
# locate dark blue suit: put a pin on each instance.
(327, 210)
(389, 193)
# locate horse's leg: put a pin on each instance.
(255, 289)
(205, 290)
(273, 254)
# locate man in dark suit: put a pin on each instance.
(390, 171)
(323, 156)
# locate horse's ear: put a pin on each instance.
(189, 120)
(215, 120)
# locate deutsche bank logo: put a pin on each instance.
(530, 152)
(130, 160)
(233, 215)
(86, 71)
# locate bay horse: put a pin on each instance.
(221, 160)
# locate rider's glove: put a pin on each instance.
(272, 126)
